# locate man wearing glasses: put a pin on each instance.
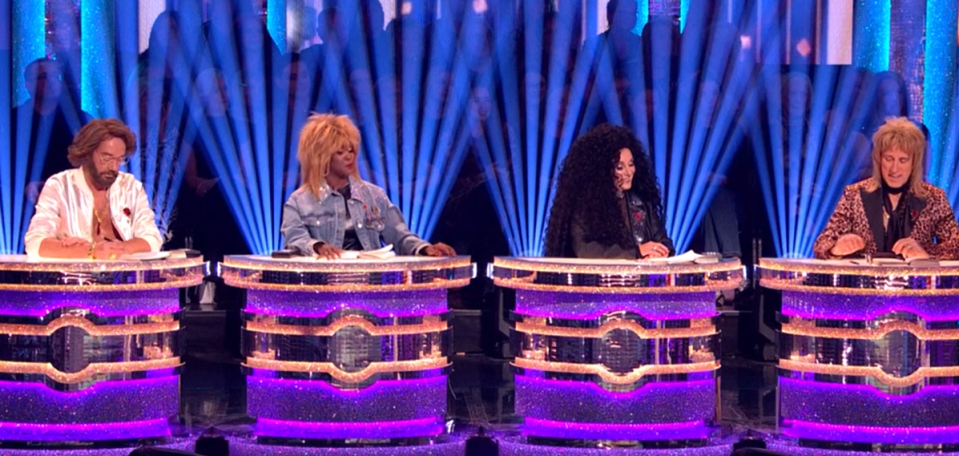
(93, 210)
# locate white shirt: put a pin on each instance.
(65, 209)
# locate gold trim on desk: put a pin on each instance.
(88, 327)
(613, 378)
(94, 369)
(374, 368)
(697, 330)
(876, 372)
(428, 326)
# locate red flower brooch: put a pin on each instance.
(914, 214)
(126, 212)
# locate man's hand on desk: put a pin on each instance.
(438, 250)
(848, 244)
(106, 250)
(68, 242)
(909, 249)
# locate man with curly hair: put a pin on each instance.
(94, 210)
(607, 203)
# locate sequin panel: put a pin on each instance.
(587, 402)
(387, 400)
(518, 448)
(378, 430)
(84, 432)
(319, 305)
(666, 306)
(849, 307)
(694, 430)
(870, 434)
(246, 447)
(186, 445)
(791, 449)
(101, 303)
(131, 400)
(829, 403)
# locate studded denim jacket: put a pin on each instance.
(308, 220)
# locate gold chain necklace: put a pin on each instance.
(96, 213)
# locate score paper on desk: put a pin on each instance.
(378, 254)
(687, 257)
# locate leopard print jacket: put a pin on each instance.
(934, 226)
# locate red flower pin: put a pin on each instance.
(914, 214)
(126, 212)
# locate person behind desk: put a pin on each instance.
(94, 210)
(607, 202)
(335, 210)
(895, 210)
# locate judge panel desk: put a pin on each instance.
(616, 352)
(869, 353)
(89, 350)
(351, 352)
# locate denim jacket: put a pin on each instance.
(308, 220)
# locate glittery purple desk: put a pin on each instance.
(614, 349)
(89, 350)
(347, 350)
(868, 353)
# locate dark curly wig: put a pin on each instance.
(585, 190)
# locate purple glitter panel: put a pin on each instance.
(584, 402)
(385, 400)
(111, 401)
(84, 432)
(829, 403)
(666, 306)
(101, 303)
(871, 434)
(790, 448)
(856, 307)
(185, 445)
(339, 430)
(318, 305)
(514, 448)
(239, 447)
(605, 431)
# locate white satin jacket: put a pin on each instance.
(65, 209)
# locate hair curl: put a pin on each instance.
(585, 190)
(96, 132)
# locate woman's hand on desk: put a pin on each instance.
(909, 249)
(327, 251)
(848, 244)
(653, 250)
(438, 250)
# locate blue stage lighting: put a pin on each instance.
(276, 14)
(938, 91)
(811, 149)
(870, 45)
(98, 57)
(642, 15)
(26, 22)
